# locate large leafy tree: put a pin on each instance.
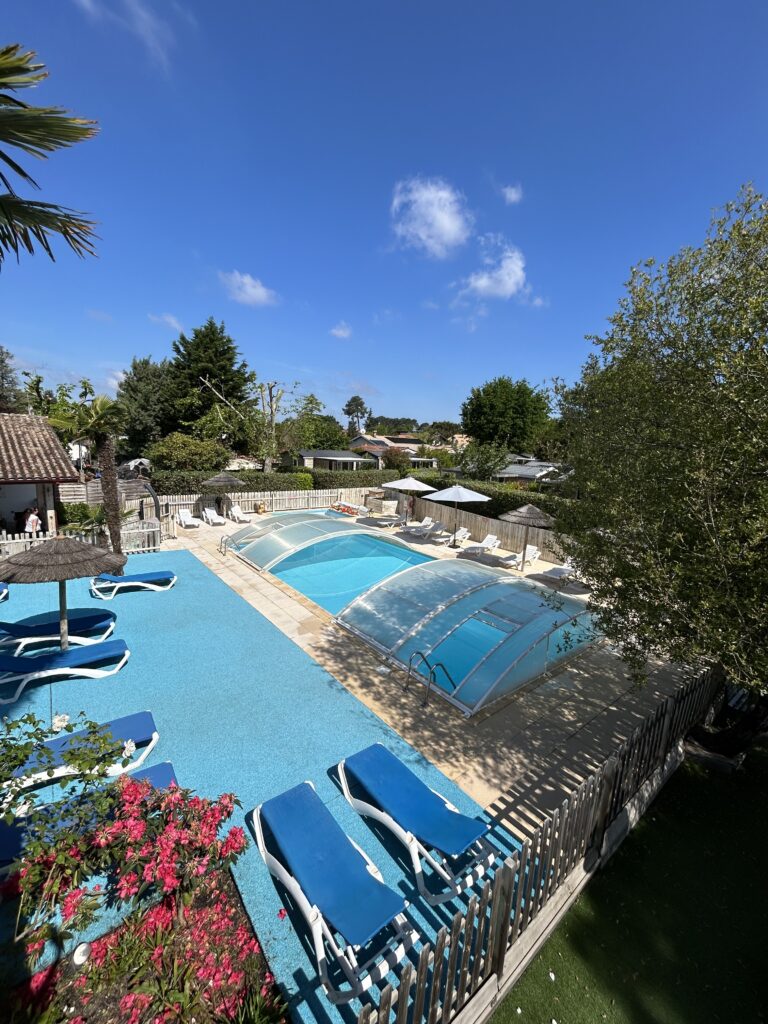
(668, 435)
(482, 461)
(310, 427)
(390, 424)
(181, 452)
(11, 397)
(506, 412)
(27, 130)
(97, 421)
(208, 354)
(144, 394)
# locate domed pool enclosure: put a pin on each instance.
(468, 631)
(471, 632)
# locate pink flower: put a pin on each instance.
(71, 903)
(282, 913)
(128, 885)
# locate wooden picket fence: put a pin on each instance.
(12, 543)
(510, 535)
(478, 956)
(273, 501)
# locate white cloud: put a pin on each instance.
(167, 319)
(341, 330)
(139, 19)
(503, 273)
(246, 289)
(512, 194)
(430, 304)
(113, 379)
(431, 215)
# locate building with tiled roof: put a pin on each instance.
(32, 463)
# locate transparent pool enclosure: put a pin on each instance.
(473, 633)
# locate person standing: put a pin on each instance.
(33, 523)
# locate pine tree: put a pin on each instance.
(143, 395)
(10, 392)
(212, 355)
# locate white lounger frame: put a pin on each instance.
(213, 518)
(48, 673)
(482, 853)
(19, 644)
(185, 518)
(107, 589)
(360, 976)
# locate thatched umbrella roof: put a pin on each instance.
(223, 480)
(528, 515)
(56, 561)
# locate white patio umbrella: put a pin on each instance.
(408, 483)
(459, 496)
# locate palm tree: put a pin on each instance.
(35, 131)
(96, 422)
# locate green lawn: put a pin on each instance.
(673, 929)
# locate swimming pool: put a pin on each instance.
(336, 571)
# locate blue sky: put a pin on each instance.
(399, 200)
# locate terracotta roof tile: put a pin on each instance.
(30, 451)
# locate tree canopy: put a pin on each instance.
(11, 398)
(668, 436)
(35, 131)
(144, 395)
(208, 354)
(357, 411)
(506, 412)
(181, 452)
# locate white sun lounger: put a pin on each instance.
(513, 561)
(106, 586)
(85, 627)
(237, 515)
(89, 662)
(433, 831)
(415, 527)
(185, 518)
(462, 534)
(212, 517)
(336, 887)
(488, 543)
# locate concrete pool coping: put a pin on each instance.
(520, 757)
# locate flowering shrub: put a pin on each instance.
(186, 948)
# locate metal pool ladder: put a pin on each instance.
(432, 673)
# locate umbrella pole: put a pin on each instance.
(525, 548)
(455, 522)
(63, 624)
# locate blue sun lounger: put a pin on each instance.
(91, 662)
(337, 888)
(433, 831)
(85, 627)
(138, 729)
(12, 836)
(105, 586)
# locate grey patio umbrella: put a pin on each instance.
(528, 516)
(224, 479)
(56, 561)
(408, 484)
(459, 496)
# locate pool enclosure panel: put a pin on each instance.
(484, 633)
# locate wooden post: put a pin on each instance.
(63, 624)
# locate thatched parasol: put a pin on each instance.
(56, 561)
(528, 516)
(224, 480)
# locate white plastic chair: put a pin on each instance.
(212, 517)
(185, 518)
(237, 515)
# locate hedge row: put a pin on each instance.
(187, 482)
(328, 479)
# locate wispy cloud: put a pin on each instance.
(249, 291)
(99, 314)
(139, 18)
(113, 379)
(430, 304)
(512, 194)
(341, 330)
(167, 319)
(431, 215)
(503, 273)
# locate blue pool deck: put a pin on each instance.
(240, 708)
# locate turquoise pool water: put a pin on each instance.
(336, 571)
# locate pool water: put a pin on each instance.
(335, 572)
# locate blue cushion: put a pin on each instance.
(161, 576)
(75, 657)
(331, 872)
(81, 620)
(139, 727)
(160, 775)
(404, 797)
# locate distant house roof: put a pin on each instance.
(30, 452)
(527, 470)
(325, 453)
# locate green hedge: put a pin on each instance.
(504, 497)
(327, 479)
(177, 482)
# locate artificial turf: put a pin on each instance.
(672, 930)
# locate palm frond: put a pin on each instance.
(41, 130)
(17, 70)
(25, 222)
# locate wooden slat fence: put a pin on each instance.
(472, 958)
(12, 543)
(273, 501)
(510, 535)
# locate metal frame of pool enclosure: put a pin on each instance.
(479, 633)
